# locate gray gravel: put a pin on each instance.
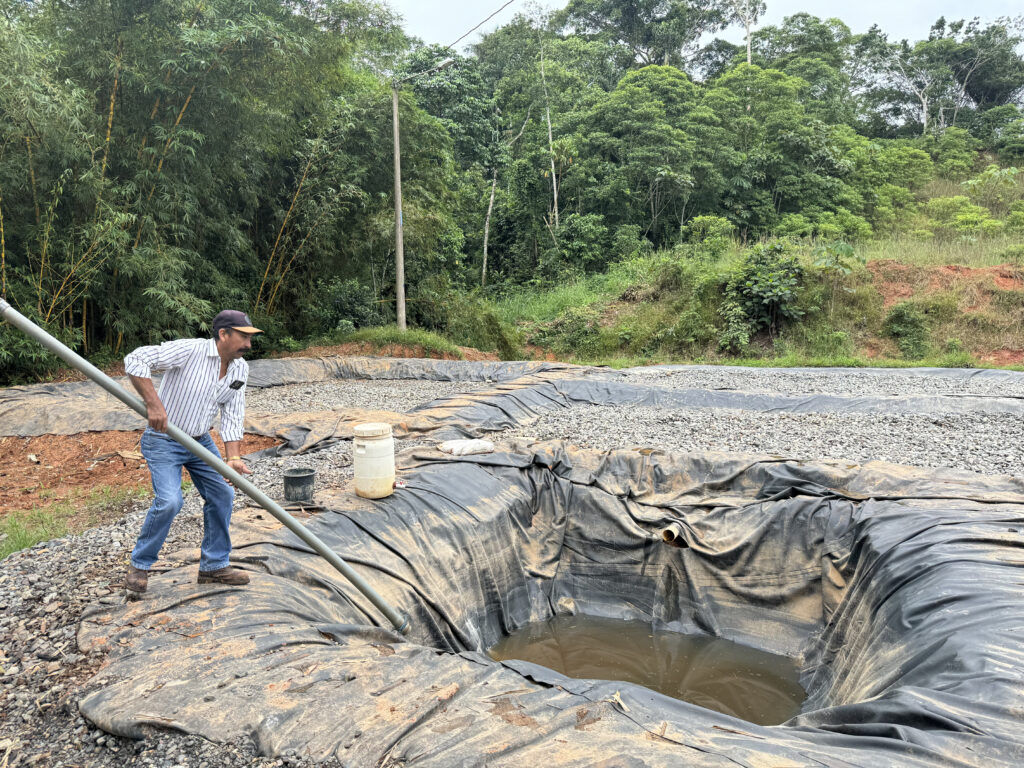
(378, 394)
(990, 444)
(43, 590)
(793, 382)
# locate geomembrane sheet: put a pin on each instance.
(898, 590)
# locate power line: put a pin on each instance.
(474, 29)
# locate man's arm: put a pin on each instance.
(232, 429)
(139, 365)
(155, 412)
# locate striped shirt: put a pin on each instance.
(192, 390)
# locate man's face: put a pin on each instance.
(234, 344)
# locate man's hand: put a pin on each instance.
(155, 413)
(157, 416)
(239, 466)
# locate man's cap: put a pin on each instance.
(232, 318)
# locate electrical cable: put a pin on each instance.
(474, 29)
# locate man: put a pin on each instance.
(201, 377)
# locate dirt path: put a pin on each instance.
(36, 471)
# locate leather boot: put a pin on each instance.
(137, 580)
(234, 577)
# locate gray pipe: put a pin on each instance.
(30, 329)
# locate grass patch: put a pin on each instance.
(796, 360)
(980, 252)
(383, 336)
(24, 528)
(544, 305)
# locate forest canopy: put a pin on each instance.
(162, 160)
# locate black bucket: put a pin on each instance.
(298, 484)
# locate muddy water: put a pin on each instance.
(716, 674)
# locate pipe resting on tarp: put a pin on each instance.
(34, 332)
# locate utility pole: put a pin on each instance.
(399, 224)
(399, 245)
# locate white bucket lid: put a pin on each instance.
(372, 429)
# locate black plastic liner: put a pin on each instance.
(537, 388)
(899, 590)
(69, 408)
(298, 370)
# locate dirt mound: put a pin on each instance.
(898, 282)
(1004, 356)
(36, 471)
(362, 348)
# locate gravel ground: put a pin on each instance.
(990, 444)
(43, 590)
(378, 394)
(783, 382)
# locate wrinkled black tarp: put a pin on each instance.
(68, 408)
(898, 589)
(537, 388)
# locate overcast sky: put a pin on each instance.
(444, 21)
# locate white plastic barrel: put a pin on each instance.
(373, 458)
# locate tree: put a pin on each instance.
(961, 67)
(651, 31)
(635, 160)
(817, 51)
(747, 12)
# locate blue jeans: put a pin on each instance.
(166, 457)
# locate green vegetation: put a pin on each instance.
(785, 302)
(602, 179)
(22, 529)
(431, 343)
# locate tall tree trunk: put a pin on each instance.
(3, 253)
(551, 142)
(32, 176)
(110, 114)
(487, 227)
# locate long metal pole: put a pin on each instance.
(30, 329)
(399, 245)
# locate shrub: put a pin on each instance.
(23, 359)
(577, 330)
(954, 152)
(955, 355)
(841, 224)
(908, 325)
(1013, 255)
(712, 233)
(957, 217)
(995, 188)
(582, 242)
(503, 338)
(837, 260)
(628, 243)
(761, 292)
(794, 225)
(831, 344)
(339, 304)
(472, 321)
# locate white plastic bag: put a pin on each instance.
(466, 447)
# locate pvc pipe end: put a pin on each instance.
(404, 629)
